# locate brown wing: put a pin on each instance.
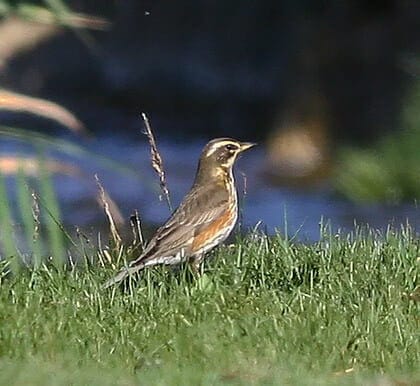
(200, 207)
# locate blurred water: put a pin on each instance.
(273, 208)
(202, 68)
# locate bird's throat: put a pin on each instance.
(217, 175)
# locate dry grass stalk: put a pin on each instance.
(157, 162)
(108, 257)
(101, 255)
(35, 216)
(344, 372)
(112, 207)
(106, 205)
(136, 228)
(244, 184)
(21, 103)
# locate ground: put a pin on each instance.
(267, 311)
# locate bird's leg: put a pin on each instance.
(195, 265)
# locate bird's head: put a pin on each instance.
(220, 154)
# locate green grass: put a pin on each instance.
(266, 312)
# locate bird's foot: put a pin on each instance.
(196, 267)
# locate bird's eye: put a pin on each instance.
(231, 147)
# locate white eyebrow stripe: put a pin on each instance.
(218, 145)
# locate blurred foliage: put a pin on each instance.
(50, 12)
(33, 9)
(390, 171)
(40, 236)
(30, 219)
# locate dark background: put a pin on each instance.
(232, 67)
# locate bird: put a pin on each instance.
(203, 220)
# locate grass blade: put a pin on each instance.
(28, 217)
(55, 234)
(8, 245)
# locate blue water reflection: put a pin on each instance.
(275, 208)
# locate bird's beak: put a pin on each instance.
(247, 145)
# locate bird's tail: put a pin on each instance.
(123, 274)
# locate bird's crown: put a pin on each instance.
(219, 155)
(224, 147)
